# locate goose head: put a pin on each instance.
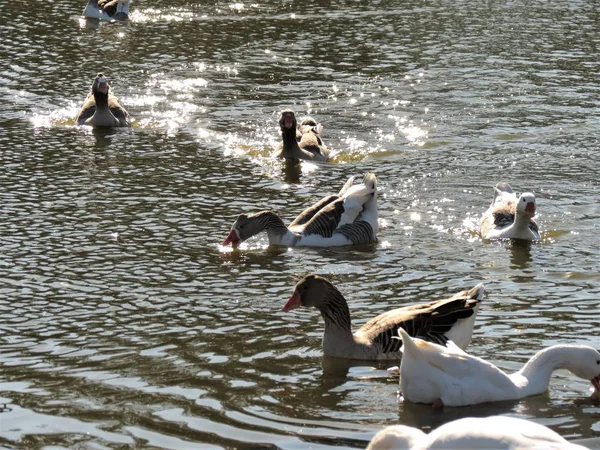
(585, 363)
(243, 228)
(311, 291)
(527, 204)
(100, 85)
(287, 121)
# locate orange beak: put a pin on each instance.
(293, 302)
(232, 239)
(530, 208)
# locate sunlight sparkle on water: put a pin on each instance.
(415, 217)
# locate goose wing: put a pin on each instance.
(427, 321)
(87, 110)
(307, 215)
(117, 110)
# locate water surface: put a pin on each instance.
(124, 323)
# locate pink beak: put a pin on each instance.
(103, 87)
(232, 239)
(288, 121)
(293, 302)
(530, 209)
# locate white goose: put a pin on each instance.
(509, 217)
(494, 432)
(301, 141)
(437, 321)
(447, 376)
(347, 218)
(109, 10)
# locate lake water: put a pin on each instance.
(124, 323)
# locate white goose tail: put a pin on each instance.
(360, 200)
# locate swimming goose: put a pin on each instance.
(102, 109)
(509, 217)
(347, 218)
(493, 432)
(431, 373)
(438, 321)
(301, 141)
(108, 10)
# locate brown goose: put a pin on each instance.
(509, 217)
(438, 321)
(102, 109)
(301, 141)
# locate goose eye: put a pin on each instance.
(524, 200)
(598, 362)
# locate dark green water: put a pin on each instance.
(124, 324)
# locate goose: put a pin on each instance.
(344, 219)
(109, 10)
(509, 217)
(438, 321)
(493, 432)
(102, 109)
(447, 376)
(301, 141)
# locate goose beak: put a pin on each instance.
(530, 208)
(103, 87)
(293, 302)
(288, 121)
(232, 239)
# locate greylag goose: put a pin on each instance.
(438, 321)
(108, 10)
(301, 141)
(494, 432)
(344, 219)
(102, 109)
(509, 217)
(447, 376)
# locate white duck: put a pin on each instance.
(509, 217)
(101, 109)
(494, 432)
(447, 376)
(301, 141)
(347, 218)
(437, 321)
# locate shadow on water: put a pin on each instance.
(292, 169)
(520, 254)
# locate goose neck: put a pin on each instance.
(335, 312)
(538, 370)
(288, 135)
(273, 225)
(101, 100)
